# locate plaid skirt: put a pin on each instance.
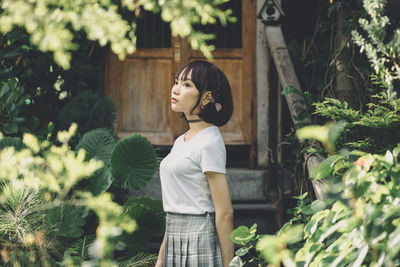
(191, 241)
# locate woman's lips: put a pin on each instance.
(174, 100)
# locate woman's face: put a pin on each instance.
(184, 95)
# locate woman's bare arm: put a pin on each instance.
(223, 213)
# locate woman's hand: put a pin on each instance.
(159, 263)
(160, 259)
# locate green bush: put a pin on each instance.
(13, 106)
(89, 110)
(375, 130)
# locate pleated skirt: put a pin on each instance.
(191, 241)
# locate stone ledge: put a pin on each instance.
(244, 185)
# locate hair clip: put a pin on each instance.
(218, 106)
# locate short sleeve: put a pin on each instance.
(213, 157)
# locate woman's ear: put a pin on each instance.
(207, 98)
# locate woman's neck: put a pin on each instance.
(196, 126)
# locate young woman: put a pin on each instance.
(193, 176)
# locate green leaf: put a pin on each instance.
(140, 260)
(269, 247)
(150, 218)
(312, 224)
(100, 181)
(316, 132)
(394, 243)
(335, 130)
(67, 221)
(4, 90)
(303, 196)
(293, 233)
(324, 169)
(242, 235)
(99, 144)
(242, 251)
(10, 128)
(80, 247)
(290, 90)
(317, 205)
(15, 142)
(236, 262)
(134, 162)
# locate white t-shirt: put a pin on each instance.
(184, 185)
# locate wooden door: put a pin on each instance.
(140, 85)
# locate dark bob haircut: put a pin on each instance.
(208, 77)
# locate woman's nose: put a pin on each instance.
(175, 89)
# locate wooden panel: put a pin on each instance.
(219, 53)
(151, 53)
(141, 90)
(146, 88)
(233, 130)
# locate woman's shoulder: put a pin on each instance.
(210, 138)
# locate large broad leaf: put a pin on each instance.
(150, 218)
(15, 142)
(134, 162)
(99, 144)
(100, 181)
(67, 221)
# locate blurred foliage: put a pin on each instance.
(381, 44)
(52, 25)
(358, 224)
(47, 208)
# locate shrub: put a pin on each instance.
(89, 110)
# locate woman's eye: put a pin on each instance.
(186, 85)
(175, 82)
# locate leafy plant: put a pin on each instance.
(40, 210)
(13, 102)
(150, 219)
(99, 144)
(381, 45)
(247, 239)
(357, 226)
(375, 130)
(140, 260)
(89, 110)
